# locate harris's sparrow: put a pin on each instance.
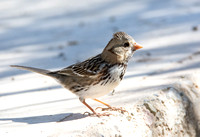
(97, 75)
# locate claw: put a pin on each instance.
(99, 108)
(87, 113)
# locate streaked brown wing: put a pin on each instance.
(76, 71)
(91, 67)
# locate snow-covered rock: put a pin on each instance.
(172, 111)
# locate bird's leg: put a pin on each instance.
(94, 113)
(109, 107)
(102, 103)
(83, 101)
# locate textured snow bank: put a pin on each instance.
(172, 111)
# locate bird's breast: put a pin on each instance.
(107, 83)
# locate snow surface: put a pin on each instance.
(54, 34)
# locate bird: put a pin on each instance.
(98, 75)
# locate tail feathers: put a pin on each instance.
(37, 70)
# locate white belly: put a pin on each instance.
(99, 90)
(102, 89)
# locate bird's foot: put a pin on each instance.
(121, 110)
(97, 114)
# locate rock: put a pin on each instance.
(172, 111)
(72, 43)
(195, 28)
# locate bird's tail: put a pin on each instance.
(37, 70)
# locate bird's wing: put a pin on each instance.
(91, 67)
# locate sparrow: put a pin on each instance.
(97, 75)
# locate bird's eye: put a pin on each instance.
(126, 44)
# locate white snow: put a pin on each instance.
(54, 34)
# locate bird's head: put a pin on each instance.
(120, 48)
